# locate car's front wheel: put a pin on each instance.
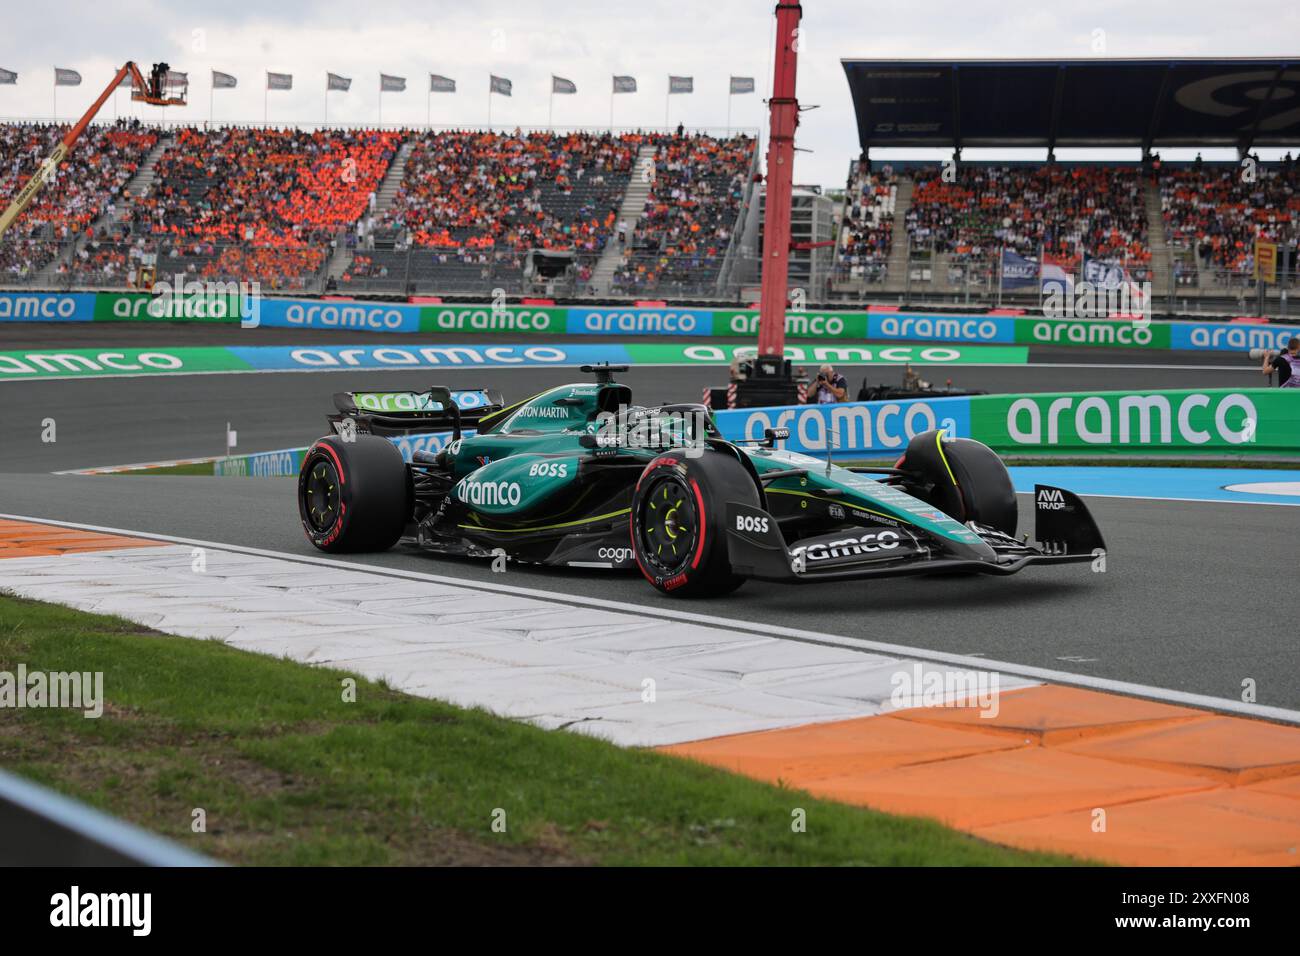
(679, 533)
(353, 495)
(963, 478)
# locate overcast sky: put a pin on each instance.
(586, 41)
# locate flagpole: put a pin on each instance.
(264, 97)
(611, 110)
(327, 99)
(428, 106)
(212, 95)
(728, 114)
(550, 110)
(489, 104)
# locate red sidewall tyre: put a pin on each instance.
(678, 522)
(354, 496)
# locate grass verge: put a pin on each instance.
(289, 773)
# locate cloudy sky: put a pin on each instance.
(585, 41)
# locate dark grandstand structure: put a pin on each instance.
(944, 232)
(636, 215)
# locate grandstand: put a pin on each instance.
(637, 215)
(88, 186)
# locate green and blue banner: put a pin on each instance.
(556, 322)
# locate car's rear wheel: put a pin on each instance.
(353, 495)
(963, 478)
(679, 533)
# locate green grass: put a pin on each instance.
(194, 468)
(288, 773)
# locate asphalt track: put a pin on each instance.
(1195, 596)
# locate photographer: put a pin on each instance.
(830, 387)
(1286, 364)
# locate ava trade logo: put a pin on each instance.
(1051, 499)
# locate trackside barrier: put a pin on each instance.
(39, 827)
(1237, 422)
(1224, 422)
(876, 325)
(1233, 422)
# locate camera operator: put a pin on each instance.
(830, 387)
(1286, 364)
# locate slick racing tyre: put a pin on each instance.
(354, 495)
(679, 533)
(967, 480)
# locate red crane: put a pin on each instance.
(161, 89)
(770, 382)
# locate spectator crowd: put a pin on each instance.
(867, 230)
(88, 184)
(1055, 210)
(1218, 212)
(684, 231)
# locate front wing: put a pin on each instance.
(1064, 531)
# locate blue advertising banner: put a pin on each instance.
(639, 321)
(943, 328)
(1229, 336)
(316, 314)
(341, 357)
(47, 307)
(850, 427)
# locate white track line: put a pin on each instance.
(1050, 675)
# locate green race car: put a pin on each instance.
(579, 476)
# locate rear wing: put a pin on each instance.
(386, 412)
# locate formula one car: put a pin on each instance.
(578, 476)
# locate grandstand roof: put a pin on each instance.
(1097, 102)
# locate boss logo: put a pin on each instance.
(751, 523)
(548, 469)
